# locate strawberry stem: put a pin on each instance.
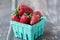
(16, 11)
(29, 16)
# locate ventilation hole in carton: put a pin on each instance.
(26, 36)
(21, 35)
(34, 36)
(16, 32)
(18, 37)
(38, 33)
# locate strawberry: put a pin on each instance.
(26, 8)
(34, 19)
(24, 19)
(22, 6)
(21, 12)
(15, 18)
(37, 13)
(29, 10)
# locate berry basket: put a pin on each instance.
(26, 31)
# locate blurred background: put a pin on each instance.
(52, 13)
(5, 12)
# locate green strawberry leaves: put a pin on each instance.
(15, 12)
(29, 16)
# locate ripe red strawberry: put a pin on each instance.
(26, 8)
(37, 13)
(34, 19)
(29, 10)
(24, 19)
(20, 12)
(22, 6)
(15, 18)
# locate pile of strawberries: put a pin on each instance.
(25, 14)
